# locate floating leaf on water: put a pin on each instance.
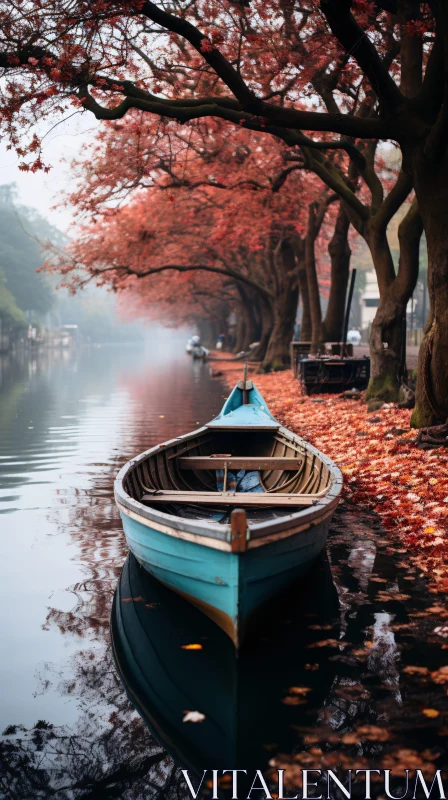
(325, 643)
(132, 599)
(360, 652)
(293, 701)
(193, 716)
(320, 627)
(350, 738)
(373, 733)
(386, 597)
(432, 713)
(401, 626)
(440, 675)
(414, 670)
(310, 738)
(440, 610)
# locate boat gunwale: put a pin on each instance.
(216, 530)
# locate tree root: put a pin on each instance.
(434, 436)
(406, 397)
(426, 410)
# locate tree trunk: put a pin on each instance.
(317, 336)
(432, 382)
(257, 311)
(240, 333)
(223, 326)
(285, 309)
(385, 347)
(267, 322)
(340, 253)
(395, 293)
(205, 328)
(249, 331)
(277, 354)
(214, 331)
(305, 325)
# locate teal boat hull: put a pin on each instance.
(151, 628)
(229, 587)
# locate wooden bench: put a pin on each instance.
(240, 462)
(230, 498)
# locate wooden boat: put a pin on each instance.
(198, 351)
(229, 551)
(173, 659)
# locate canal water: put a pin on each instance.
(346, 671)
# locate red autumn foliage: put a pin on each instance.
(352, 73)
(177, 213)
(382, 468)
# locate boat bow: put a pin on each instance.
(244, 409)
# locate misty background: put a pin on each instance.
(30, 215)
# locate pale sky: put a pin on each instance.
(66, 142)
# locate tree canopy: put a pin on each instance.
(10, 313)
(333, 77)
(21, 254)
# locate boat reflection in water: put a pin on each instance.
(173, 660)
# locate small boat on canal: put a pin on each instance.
(232, 513)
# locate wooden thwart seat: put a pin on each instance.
(230, 498)
(240, 462)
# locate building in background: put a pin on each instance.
(369, 300)
(416, 311)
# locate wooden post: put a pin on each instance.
(238, 524)
(347, 313)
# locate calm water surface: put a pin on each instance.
(346, 669)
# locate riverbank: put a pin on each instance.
(383, 470)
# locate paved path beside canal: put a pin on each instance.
(411, 354)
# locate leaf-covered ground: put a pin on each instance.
(383, 469)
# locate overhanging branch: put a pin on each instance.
(356, 42)
(126, 270)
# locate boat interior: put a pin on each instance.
(208, 475)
